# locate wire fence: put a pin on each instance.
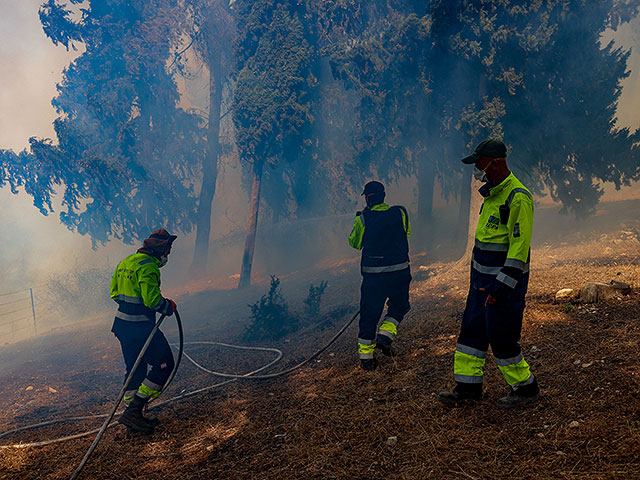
(18, 313)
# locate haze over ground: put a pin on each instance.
(34, 245)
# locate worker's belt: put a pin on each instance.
(386, 268)
(133, 318)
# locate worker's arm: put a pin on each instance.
(520, 230)
(355, 239)
(407, 224)
(149, 280)
(114, 285)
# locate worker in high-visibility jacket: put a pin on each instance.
(381, 232)
(135, 287)
(499, 280)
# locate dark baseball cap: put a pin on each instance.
(372, 188)
(488, 148)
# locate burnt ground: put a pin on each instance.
(330, 420)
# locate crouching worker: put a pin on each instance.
(135, 287)
(381, 232)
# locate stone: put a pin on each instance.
(574, 424)
(599, 292)
(565, 293)
(391, 441)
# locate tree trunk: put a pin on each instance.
(250, 243)
(426, 177)
(474, 200)
(469, 218)
(209, 172)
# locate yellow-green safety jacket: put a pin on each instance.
(135, 287)
(503, 237)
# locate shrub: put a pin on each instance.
(313, 300)
(270, 316)
(79, 292)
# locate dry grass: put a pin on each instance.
(332, 420)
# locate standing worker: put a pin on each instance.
(135, 287)
(499, 280)
(381, 232)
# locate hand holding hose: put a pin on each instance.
(173, 309)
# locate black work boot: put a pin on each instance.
(133, 419)
(520, 396)
(368, 364)
(462, 393)
(383, 343)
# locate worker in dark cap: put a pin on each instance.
(135, 287)
(381, 232)
(499, 280)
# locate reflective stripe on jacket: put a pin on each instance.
(503, 234)
(381, 233)
(135, 287)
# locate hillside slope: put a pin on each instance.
(331, 420)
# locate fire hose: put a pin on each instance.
(232, 377)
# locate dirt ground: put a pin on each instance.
(330, 420)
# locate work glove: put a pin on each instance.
(169, 307)
(174, 307)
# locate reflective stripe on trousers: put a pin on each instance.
(516, 371)
(389, 328)
(366, 348)
(468, 364)
(128, 396)
(148, 389)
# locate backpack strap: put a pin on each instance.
(406, 216)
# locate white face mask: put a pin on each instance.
(480, 175)
(163, 260)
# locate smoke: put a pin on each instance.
(35, 247)
(30, 67)
(628, 37)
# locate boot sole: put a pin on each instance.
(131, 432)
(385, 350)
(134, 427)
(449, 402)
(520, 403)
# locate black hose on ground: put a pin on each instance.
(287, 371)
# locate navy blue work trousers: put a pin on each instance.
(157, 362)
(375, 290)
(498, 325)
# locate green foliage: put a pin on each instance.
(126, 154)
(269, 106)
(270, 316)
(313, 300)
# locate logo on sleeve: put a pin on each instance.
(493, 222)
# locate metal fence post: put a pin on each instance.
(33, 310)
